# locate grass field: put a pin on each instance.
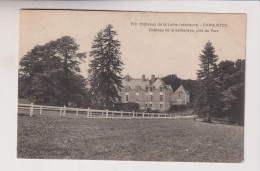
(47, 137)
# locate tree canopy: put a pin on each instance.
(50, 73)
(233, 90)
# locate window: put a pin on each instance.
(146, 89)
(150, 105)
(151, 88)
(161, 98)
(136, 88)
(146, 105)
(126, 98)
(180, 93)
(161, 105)
(161, 88)
(151, 98)
(126, 89)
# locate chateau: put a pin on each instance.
(152, 93)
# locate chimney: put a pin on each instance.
(127, 77)
(153, 78)
(143, 77)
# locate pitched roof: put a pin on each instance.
(181, 87)
(132, 83)
(159, 81)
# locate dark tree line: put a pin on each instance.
(220, 87)
(232, 78)
(219, 91)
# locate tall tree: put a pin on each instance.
(105, 69)
(50, 73)
(208, 91)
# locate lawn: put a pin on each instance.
(48, 137)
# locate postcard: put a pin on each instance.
(138, 86)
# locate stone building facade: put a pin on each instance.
(152, 93)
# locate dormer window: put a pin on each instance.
(161, 88)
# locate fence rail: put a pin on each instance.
(33, 109)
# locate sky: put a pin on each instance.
(151, 43)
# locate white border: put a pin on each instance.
(9, 12)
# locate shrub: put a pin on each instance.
(178, 108)
(127, 106)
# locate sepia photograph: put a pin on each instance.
(131, 86)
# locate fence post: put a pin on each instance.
(102, 114)
(143, 114)
(77, 112)
(133, 113)
(121, 113)
(88, 112)
(107, 113)
(64, 112)
(31, 109)
(60, 111)
(40, 110)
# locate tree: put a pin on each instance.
(208, 102)
(50, 73)
(66, 49)
(234, 93)
(105, 69)
(226, 68)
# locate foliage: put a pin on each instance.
(234, 91)
(127, 107)
(220, 89)
(175, 108)
(172, 80)
(105, 69)
(208, 102)
(50, 73)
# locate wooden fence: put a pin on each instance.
(33, 109)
